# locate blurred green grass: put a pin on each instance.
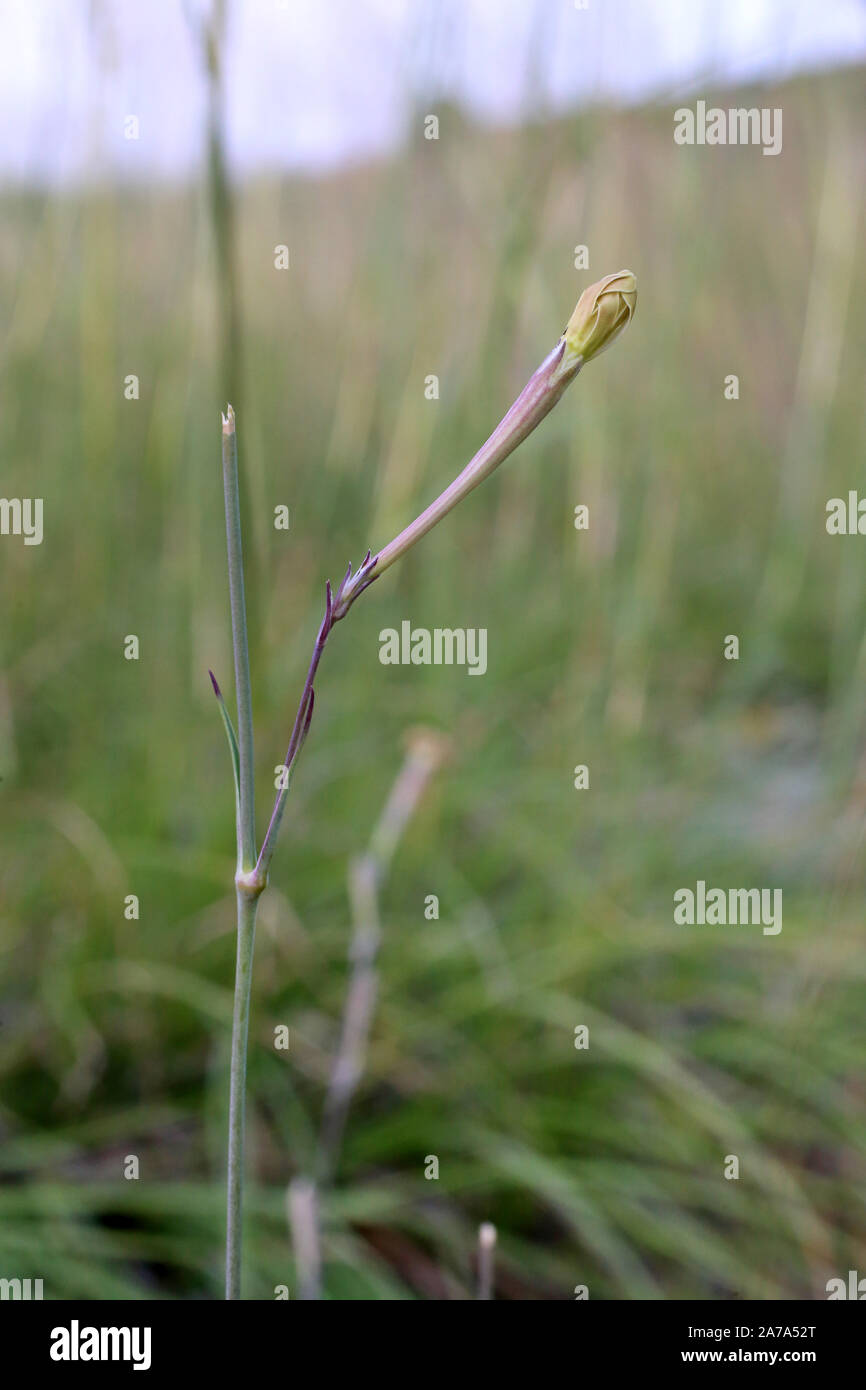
(605, 647)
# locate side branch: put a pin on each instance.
(336, 607)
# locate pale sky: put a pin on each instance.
(314, 83)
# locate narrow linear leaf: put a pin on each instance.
(231, 736)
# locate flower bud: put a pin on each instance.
(603, 310)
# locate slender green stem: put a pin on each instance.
(247, 907)
(249, 885)
(246, 799)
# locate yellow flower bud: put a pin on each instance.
(603, 311)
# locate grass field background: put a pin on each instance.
(602, 1167)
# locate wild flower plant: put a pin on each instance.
(602, 312)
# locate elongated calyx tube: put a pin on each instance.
(602, 312)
